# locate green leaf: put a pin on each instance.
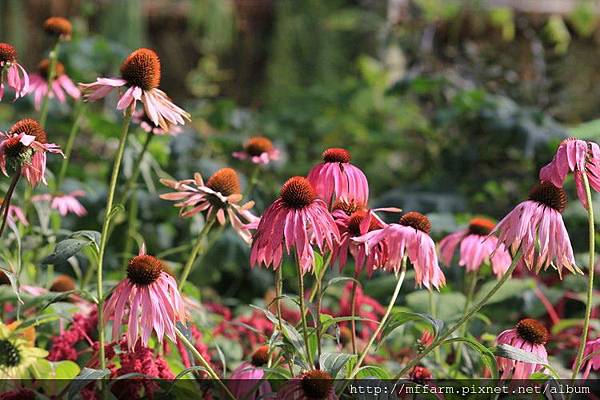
(399, 318)
(371, 371)
(66, 249)
(93, 236)
(487, 356)
(83, 379)
(334, 362)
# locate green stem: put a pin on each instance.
(433, 309)
(197, 247)
(278, 294)
(375, 334)
(105, 229)
(470, 292)
(79, 108)
(590, 288)
(303, 314)
(353, 313)
(211, 372)
(52, 58)
(464, 319)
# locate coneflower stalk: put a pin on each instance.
(52, 62)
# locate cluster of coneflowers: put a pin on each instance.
(317, 221)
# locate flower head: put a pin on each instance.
(298, 219)
(16, 76)
(310, 385)
(59, 27)
(139, 117)
(579, 157)
(64, 203)
(476, 247)
(529, 335)
(219, 196)
(592, 352)
(15, 214)
(140, 73)
(409, 239)
(259, 150)
(18, 353)
(62, 85)
(536, 227)
(151, 298)
(23, 148)
(244, 380)
(335, 178)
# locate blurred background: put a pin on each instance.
(450, 107)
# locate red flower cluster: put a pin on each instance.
(64, 345)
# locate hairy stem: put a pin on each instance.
(590, 288)
(105, 229)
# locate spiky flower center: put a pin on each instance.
(481, 226)
(260, 356)
(30, 127)
(63, 283)
(416, 220)
(549, 195)
(44, 69)
(532, 331)
(336, 155)
(257, 145)
(9, 354)
(13, 148)
(297, 192)
(316, 384)
(58, 26)
(356, 219)
(348, 207)
(225, 181)
(142, 68)
(7, 53)
(144, 269)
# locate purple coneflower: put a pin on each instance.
(62, 85)
(529, 335)
(259, 150)
(15, 214)
(592, 352)
(536, 227)
(140, 73)
(409, 238)
(297, 219)
(64, 203)
(311, 385)
(16, 76)
(476, 246)
(219, 197)
(148, 298)
(579, 157)
(335, 178)
(245, 380)
(59, 27)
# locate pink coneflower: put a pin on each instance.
(529, 335)
(16, 76)
(335, 178)
(151, 298)
(579, 157)
(245, 381)
(298, 219)
(219, 197)
(61, 86)
(139, 117)
(476, 247)
(536, 227)
(311, 385)
(592, 350)
(23, 148)
(64, 203)
(59, 27)
(15, 214)
(140, 72)
(259, 150)
(409, 238)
